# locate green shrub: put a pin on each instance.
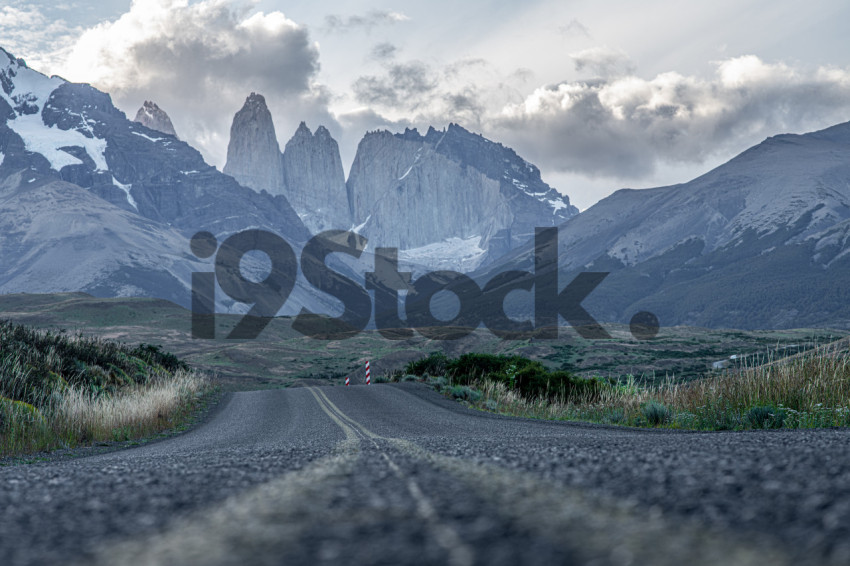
(35, 363)
(433, 364)
(410, 377)
(154, 356)
(655, 413)
(615, 415)
(529, 377)
(469, 367)
(465, 393)
(765, 417)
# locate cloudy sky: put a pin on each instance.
(600, 95)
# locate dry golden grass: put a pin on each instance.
(74, 416)
(810, 390)
(134, 412)
(59, 390)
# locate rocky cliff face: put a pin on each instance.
(152, 116)
(253, 154)
(452, 188)
(448, 199)
(314, 181)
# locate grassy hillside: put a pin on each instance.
(61, 390)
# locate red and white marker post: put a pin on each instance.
(347, 381)
(368, 374)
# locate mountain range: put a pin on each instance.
(446, 199)
(759, 242)
(92, 201)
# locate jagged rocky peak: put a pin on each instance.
(152, 116)
(303, 131)
(314, 181)
(253, 154)
(449, 188)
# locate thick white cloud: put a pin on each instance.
(198, 62)
(626, 126)
(613, 123)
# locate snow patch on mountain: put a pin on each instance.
(456, 254)
(358, 229)
(141, 135)
(550, 197)
(556, 205)
(412, 165)
(49, 142)
(126, 189)
(27, 92)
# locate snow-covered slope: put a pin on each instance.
(452, 254)
(73, 132)
(27, 93)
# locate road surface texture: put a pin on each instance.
(396, 474)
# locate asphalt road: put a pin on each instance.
(395, 474)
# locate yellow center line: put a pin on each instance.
(459, 553)
(348, 419)
(349, 432)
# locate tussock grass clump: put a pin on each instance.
(58, 390)
(132, 413)
(465, 393)
(811, 390)
(655, 413)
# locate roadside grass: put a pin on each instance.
(811, 390)
(61, 391)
